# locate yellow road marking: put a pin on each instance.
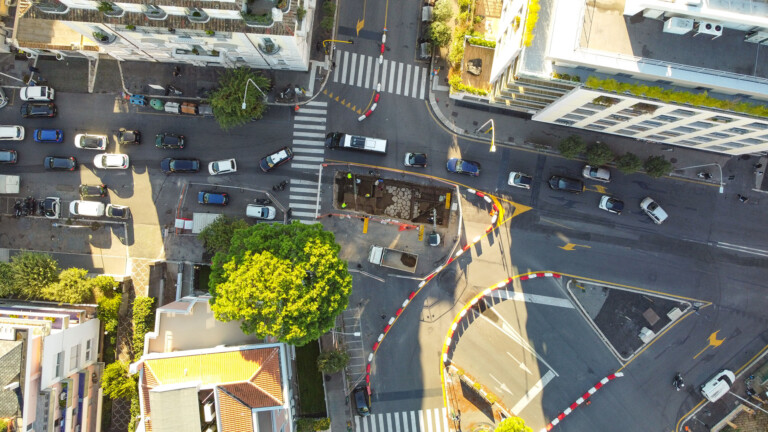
(361, 23)
(600, 189)
(421, 232)
(448, 200)
(714, 342)
(572, 246)
(365, 226)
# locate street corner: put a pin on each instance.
(628, 319)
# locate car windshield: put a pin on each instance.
(49, 207)
(117, 211)
(416, 159)
(90, 142)
(276, 158)
(6, 156)
(523, 180)
(615, 204)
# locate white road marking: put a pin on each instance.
(510, 331)
(308, 134)
(361, 66)
(303, 118)
(384, 74)
(303, 182)
(309, 142)
(309, 126)
(368, 73)
(308, 150)
(303, 190)
(400, 78)
(413, 420)
(415, 80)
(313, 111)
(336, 69)
(352, 69)
(305, 166)
(375, 74)
(532, 298)
(392, 77)
(308, 158)
(423, 82)
(407, 80)
(344, 68)
(533, 392)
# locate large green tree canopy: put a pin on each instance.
(285, 281)
(227, 100)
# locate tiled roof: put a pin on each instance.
(234, 415)
(146, 384)
(285, 27)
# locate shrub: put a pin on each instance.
(482, 42)
(327, 23)
(32, 272)
(107, 311)
(105, 7)
(442, 10)
(329, 7)
(130, 27)
(332, 361)
(440, 34)
(530, 21)
(456, 53)
(103, 286)
(464, 5)
(143, 319)
(629, 163)
(599, 154)
(72, 287)
(572, 146)
(116, 382)
(456, 85)
(301, 13)
(657, 166)
(322, 424)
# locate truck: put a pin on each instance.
(9, 184)
(340, 140)
(393, 258)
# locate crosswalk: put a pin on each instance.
(395, 77)
(429, 420)
(308, 153)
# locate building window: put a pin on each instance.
(651, 123)
(74, 357)
(683, 113)
(627, 132)
(666, 118)
(759, 126)
(88, 350)
(718, 135)
(57, 368)
(594, 127)
(752, 141)
(738, 131)
(701, 125)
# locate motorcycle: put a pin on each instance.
(678, 382)
(263, 201)
(280, 186)
(705, 175)
(30, 205)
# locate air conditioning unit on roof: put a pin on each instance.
(757, 36)
(709, 28)
(678, 25)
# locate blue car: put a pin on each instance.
(213, 198)
(462, 166)
(49, 135)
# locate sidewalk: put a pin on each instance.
(512, 129)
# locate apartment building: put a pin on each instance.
(265, 34)
(198, 373)
(49, 370)
(689, 73)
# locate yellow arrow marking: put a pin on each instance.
(519, 209)
(337, 99)
(714, 342)
(600, 189)
(360, 25)
(572, 246)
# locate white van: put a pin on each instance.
(14, 133)
(37, 94)
(86, 208)
(718, 385)
(260, 212)
(653, 210)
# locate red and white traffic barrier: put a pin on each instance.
(584, 398)
(370, 110)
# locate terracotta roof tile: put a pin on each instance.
(145, 386)
(210, 369)
(234, 416)
(268, 378)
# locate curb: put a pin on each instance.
(584, 398)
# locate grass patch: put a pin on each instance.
(311, 396)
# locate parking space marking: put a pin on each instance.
(533, 392)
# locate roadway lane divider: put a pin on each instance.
(376, 96)
(583, 399)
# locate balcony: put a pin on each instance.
(252, 20)
(196, 15)
(53, 7)
(197, 54)
(155, 13)
(103, 38)
(111, 9)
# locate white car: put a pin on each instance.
(653, 210)
(260, 212)
(596, 173)
(718, 385)
(91, 142)
(111, 161)
(86, 208)
(12, 133)
(37, 94)
(226, 166)
(518, 179)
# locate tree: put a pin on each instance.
(32, 272)
(440, 34)
(217, 236)
(599, 154)
(7, 287)
(332, 361)
(226, 101)
(285, 281)
(72, 287)
(657, 166)
(512, 424)
(629, 163)
(572, 146)
(107, 312)
(442, 10)
(116, 382)
(143, 321)
(103, 286)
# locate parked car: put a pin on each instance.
(170, 165)
(60, 163)
(86, 208)
(274, 160)
(37, 94)
(51, 207)
(462, 166)
(93, 191)
(362, 401)
(611, 204)
(12, 133)
(49, 135)
(111, 161)
(653, 210)
(126, 136)
(415, 160)
(518, 179)
(38, 109)
(227, 166)
(213, 198)
(8, 157)
(596, 173)
(169, 141)
(566, 184)
(260, 212)
(718, 385)
(118, 211)
(91, 141)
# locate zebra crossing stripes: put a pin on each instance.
(429, 420)
(395, 77)
(308, 153)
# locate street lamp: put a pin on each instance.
(493, 133)
(356, 334)
(710, 164)
(250, 81)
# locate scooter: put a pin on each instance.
(30, 205)
(18, 209)
(263, 201)
(678, 382)
(705, 175)
(280, 186)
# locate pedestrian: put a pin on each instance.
(34, 69)
(757, 165)
(742, 198)
(349, 176)
(343, 205)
